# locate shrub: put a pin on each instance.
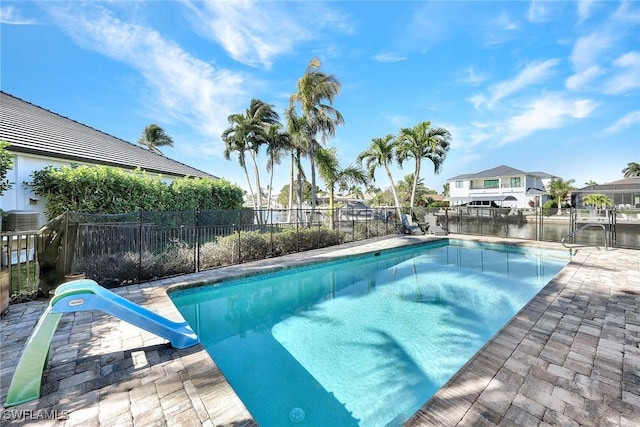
(103, 189)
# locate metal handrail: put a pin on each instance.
(604, 230)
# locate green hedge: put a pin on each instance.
(109, 190)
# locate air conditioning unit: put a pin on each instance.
(21, 221)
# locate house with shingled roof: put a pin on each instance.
(502, 186)
(41, 138)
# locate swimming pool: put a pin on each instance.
(366, 340)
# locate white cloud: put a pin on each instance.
(624, 122)
(532, 74)
(581, 80)
(629, 76)
(12, 16)
(388, 57)
(251, 33)
(539, 11)
(183, 88)
(505, 23)
(589, 50)
(473, 77)
(255, 33)
(550, 111)
(398, 121)
(584, 8)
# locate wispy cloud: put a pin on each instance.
(389, 57)
(532, 74)
(472, 77)
(256, 33)
(581, 80)
(624, 122)
(589, 50)
(12, 16)
(539, 11)
(549, 111)
(398, 121)
(628, 77)
(584, 8)
(183, 88)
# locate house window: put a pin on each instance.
(458, 184)
(491, 183)
(515, 182)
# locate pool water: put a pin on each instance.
(364, 341)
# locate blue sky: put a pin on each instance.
(550, 86)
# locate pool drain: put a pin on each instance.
(297, 415)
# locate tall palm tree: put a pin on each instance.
(278, 142)
(332, 174)
(559, 189)
(246, 134)
(315, 94)
(423, 142)
(632, 169)
(381, 154)
(153, 136)
(299, 142)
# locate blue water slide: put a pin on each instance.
(85, 295)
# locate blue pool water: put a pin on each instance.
(364, 341)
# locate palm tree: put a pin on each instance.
(299, 143)
(381, 153)
(315, 94)
(423, 142)
(245, 135)
(153, 136)
(590, 183)
(445, 189)
(278, 142)
(600, 201)
(632, 169)
(559, 189)
(405, 189)
(332, 174)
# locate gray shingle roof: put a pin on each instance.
(499, 171)
(35, 130)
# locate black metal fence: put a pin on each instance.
(621, 227)
(133, 247)
(128, 248)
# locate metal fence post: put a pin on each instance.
(140, 248)
(239, 231)
(196, 247)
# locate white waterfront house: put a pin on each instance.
(41, 138)
(502, 186)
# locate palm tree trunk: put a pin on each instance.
(290, 206)
(299, 185)
(253, 199)
(393, 191)
(331, 208)
(257, 178)
(312, 164)
(416, 177)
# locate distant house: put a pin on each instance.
(501, 186)
(40, 138)
(624, 193)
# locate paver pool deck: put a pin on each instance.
(570, 357)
